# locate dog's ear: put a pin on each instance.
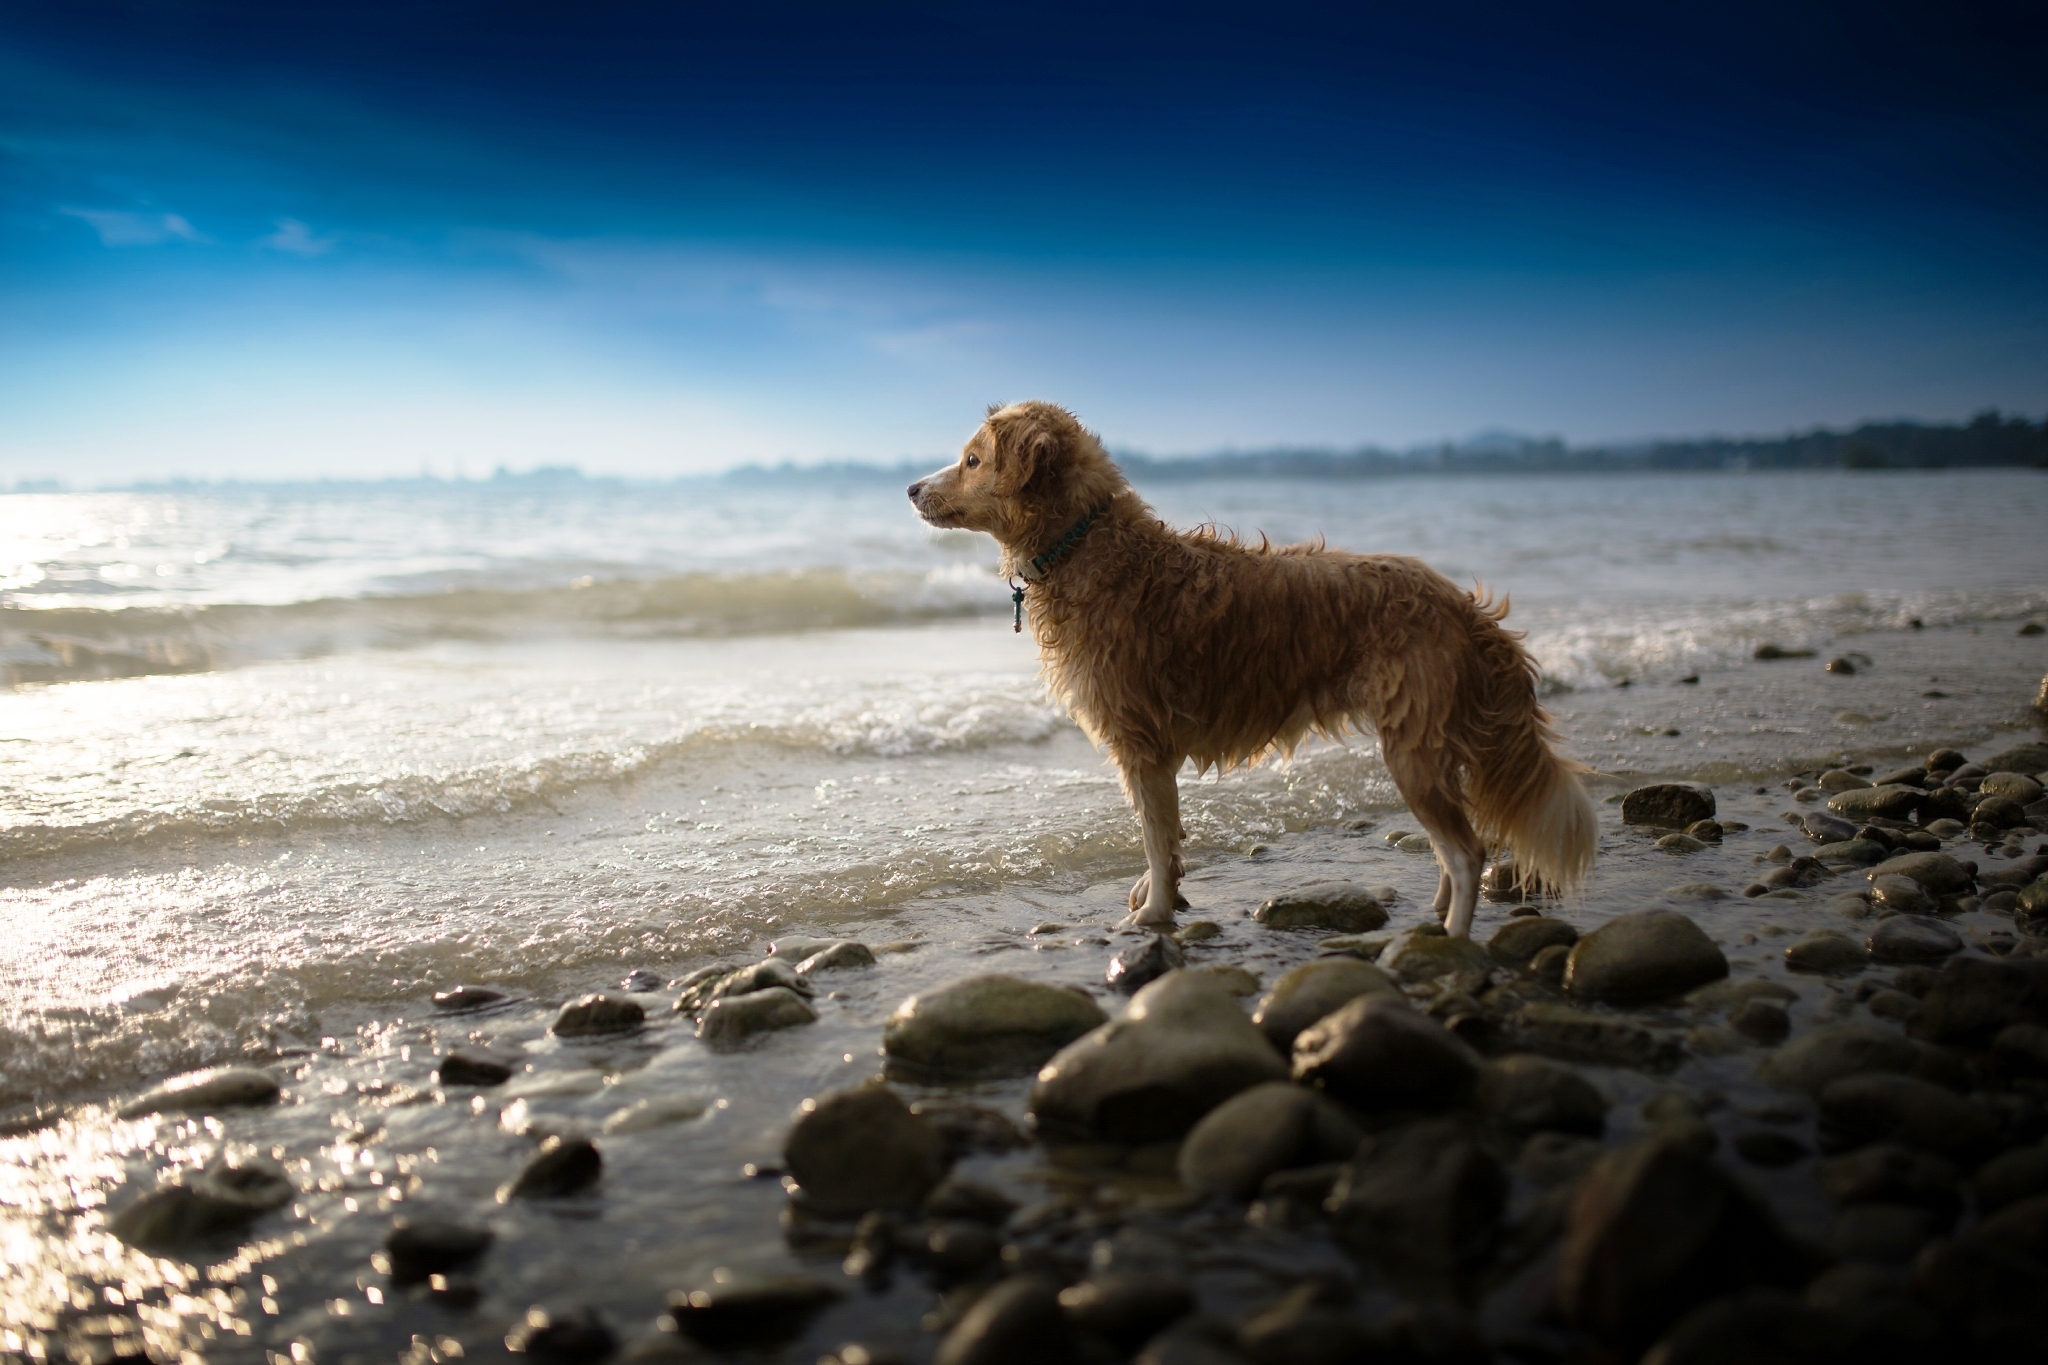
(1024, 456)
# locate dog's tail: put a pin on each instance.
(1519, 790)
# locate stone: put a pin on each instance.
(1859, 1110)
(577, 1336)
(794, 948)
(1840, 780)
(1232, 978)
(961, 1199)
(566, 1164)
(1421, 1203)
(642, 980)
(207, 1206)
(1682, 843)
(970, 1128)
(203, 1092)
(838, 956)
(2011, 1176)
(1988, 1285)
(1653, 1231)
(1761, 1327)
(1997, 813)
(1894, 1005)
(1643, 956)
(862, 1149)
(1769, 1148)
(1912, 938)
(2020, 1052)
(1887, 1234)
(459, 999)
(702, 987)
(1519, 940)
(1761, 1021)
(1337, 906)
(1552, 1159)
(1425, 953)
(1377, 1053)
(1308, 992)
(1823, 828)
(1900, 896)
(2021, 758)
(1271, 1127)
(1936, 873)
(1143, 963)
(735, 1018)
(1523, 1093)
(1182, 1047)
(474, 1066)
(1668, 805)
(2013, 786)
(1549, 963)
(1826, 952)
(1887, 1173)
(1127, 1308)
(1833, 1051)
(1185, 1346)
(1890, 803)
(983, 1027)
(1576, 1035)
(738, 1311)
(1198, 931)
(1696, 891)
(1304, 1329)
(1017, 1322)
(598, 1013)
(418, 1248)
(1855, 852)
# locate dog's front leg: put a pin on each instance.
(1156, 794)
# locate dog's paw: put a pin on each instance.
(1140, 919)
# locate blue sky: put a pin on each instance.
(284, 241)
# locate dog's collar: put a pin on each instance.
(1036, 570)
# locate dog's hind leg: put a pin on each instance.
(1156, 794)
(1459, 853)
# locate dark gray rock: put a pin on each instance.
(1936, 873)
(577, 1336)
(1519, 940)
(1141, 964)
(459, 999)
(986, 1026)
(1422, 1203)
(732, 1019)
(642, 980)
(1761, 1327)
(2021, 758)
(1183, 1047)
(1908, 1111)
(1667, 805)
(1855, 853)
(1653, 1231)
(564, 1165)
(967, 1128)
(421, 1247)
(1886, 1234)
(1523, 1093)
(1376, 1053)
(1312, 990)
(1889, 803)
(1826, 952)
(209, 1206)
(967, 1200)
(1644, 956)
(1018, 1322)
(1304, 1330)
(736, 1312)
(598, 1013)
(1761, 1021)
(1256, 1132)
(474, 1066)
(1823, 828)
(2020, 1052)
(838, 956)
(1423, 952)
(1127, 1308)
(1336, 906)
(1974, 997)
(1833, 1051)
(1901, 895)
(1913, 939)
(1576, 1035)
(707, 984)
(203, 1092)
(862, 1149)
(1988, 1285)
(1887, 1173)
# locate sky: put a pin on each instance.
(288, 241)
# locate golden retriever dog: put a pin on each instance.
(1174, 645)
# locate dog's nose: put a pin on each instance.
(915, 489)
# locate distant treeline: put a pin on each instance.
(1987, 440)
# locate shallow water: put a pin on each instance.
(419, 753)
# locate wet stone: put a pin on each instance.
(1761, 1021)
(1913, 938)
(2021, 758)
(1143, 963)
(739, 1311)
(2014, 786)
(840, 956)
(1696, 891)
(863, 1149)
(1422, 1203)
(970, 1201)
(1644, 956)
(457, 999)
(1900, 895)
(209, 1206)
(2020, 1052)
(1893, 1005)
(2012, 1176)
(1826, 952)
(735, 1018)
(1888, 1173)
(598, 1013)
(1271, 1127)
(1886, 1234)
(1377, 1053)
(421, 1247)
(1840, 780)
(1856, 852)
(1232, 978)
(1425, 953)
(1577, 1035)
(1904, 1110)
(986, 1026)
(1892, 803)
(1833, 1051)
(1524, 1093)
(577, 1336)
(1308, 992)
(201, 1092)
(1935, 873)
(1761, 1327)
(1681, 843)
(564, 1165)
(1337, 906)
(642, 980)
(1127, 1308)
(1827, 829)
(1018, 1322)
(1667, 805)
(474, 1066)
(1519, 940)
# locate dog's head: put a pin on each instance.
(1028, 466)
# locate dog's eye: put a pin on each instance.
(974, 461)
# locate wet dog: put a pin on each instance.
(1174, 645)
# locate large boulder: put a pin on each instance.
(986, 1026)
(1337, 906)
(1667, 805)
(1268, 1128)
(862, 1149)
(1183, 1047)
(1306, 993)
(1379, 1054)
(1652, 1231)
(1644, 956)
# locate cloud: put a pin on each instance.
(295, 237)
(122, 227)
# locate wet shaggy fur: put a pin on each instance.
(1174, 645)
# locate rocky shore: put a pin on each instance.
(1777, 1089)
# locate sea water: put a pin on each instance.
(275, 756)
